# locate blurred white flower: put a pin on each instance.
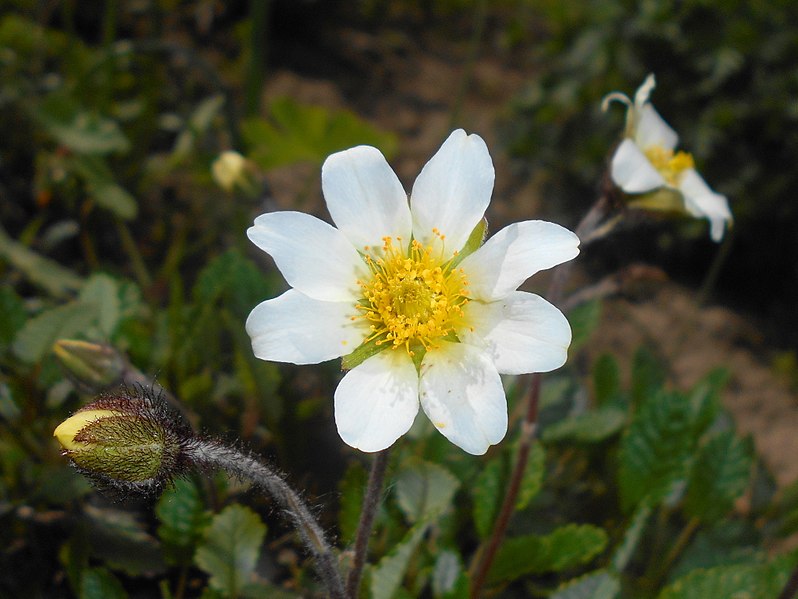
(646, 161)
(434, 317)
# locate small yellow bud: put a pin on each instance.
(232, 171)
(69, 428)
(91, 366)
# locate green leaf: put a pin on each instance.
(648, 375)
(656, 450)
(565, 548)
(584, 319)
(386, 576)
(102, 291)
(719, 476)
(634, 532)
(103, 188)
(532, 480)
(705, 397)
(230, 548)
(233, 279)
(99, 583)
(79, 129)
(448, 576)
(14, 315)
(606, 380)
(596, 585)
(738, 580)
(39, 333)
(183, 519)
(425, 490)
(302, 133)
(589, 427)
(42, 272)
(487, 494)
(351, 488)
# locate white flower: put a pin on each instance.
(646, 161)
(436, 327)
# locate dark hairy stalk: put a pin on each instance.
(371, 501)
(212, 454)
(484, 559)
(791, 588)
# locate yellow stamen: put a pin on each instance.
(414, 296)
(669, 165)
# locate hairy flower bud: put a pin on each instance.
(91, 366)
(130, 440)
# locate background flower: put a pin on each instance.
(646, 161)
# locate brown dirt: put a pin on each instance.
(411, 92)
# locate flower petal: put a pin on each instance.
(632, 171)
(452, 191)
(644, 91)
(516, 253)
(652, 130)
(522, 333)
(462, 395)
(364, 197)
(297, 329)
(700, 200)
(376, 402)
(313, 256)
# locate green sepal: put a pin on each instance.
(474, 242)
(362, 353)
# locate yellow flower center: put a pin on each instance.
(413, 297)
(669, 164)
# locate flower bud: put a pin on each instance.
(232, 171)
(129, 440)
(91, 366)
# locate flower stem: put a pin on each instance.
(367, 514)
(484, 559)
(791, 587)
(212, 454)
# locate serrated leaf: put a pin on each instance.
(532, 480)
(122, 542)
(234, 279)
(606, 379)
(705, 397)
(648, 375)
(103, 292)
(40, 332)
(486, 493)
(596, 585)
(386, 576)
(738, 580)
(584, 319)
(99, 583)
(623, 553)
(656, 450)
(183, 519)
(42, 272)
(719, 476)
(230, 548)
(589, 427)
(565, 548)
(303, 133)
(425, 490)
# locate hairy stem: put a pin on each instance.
(212, 454)
(370, 504)
(791, 587)
(484, 559)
